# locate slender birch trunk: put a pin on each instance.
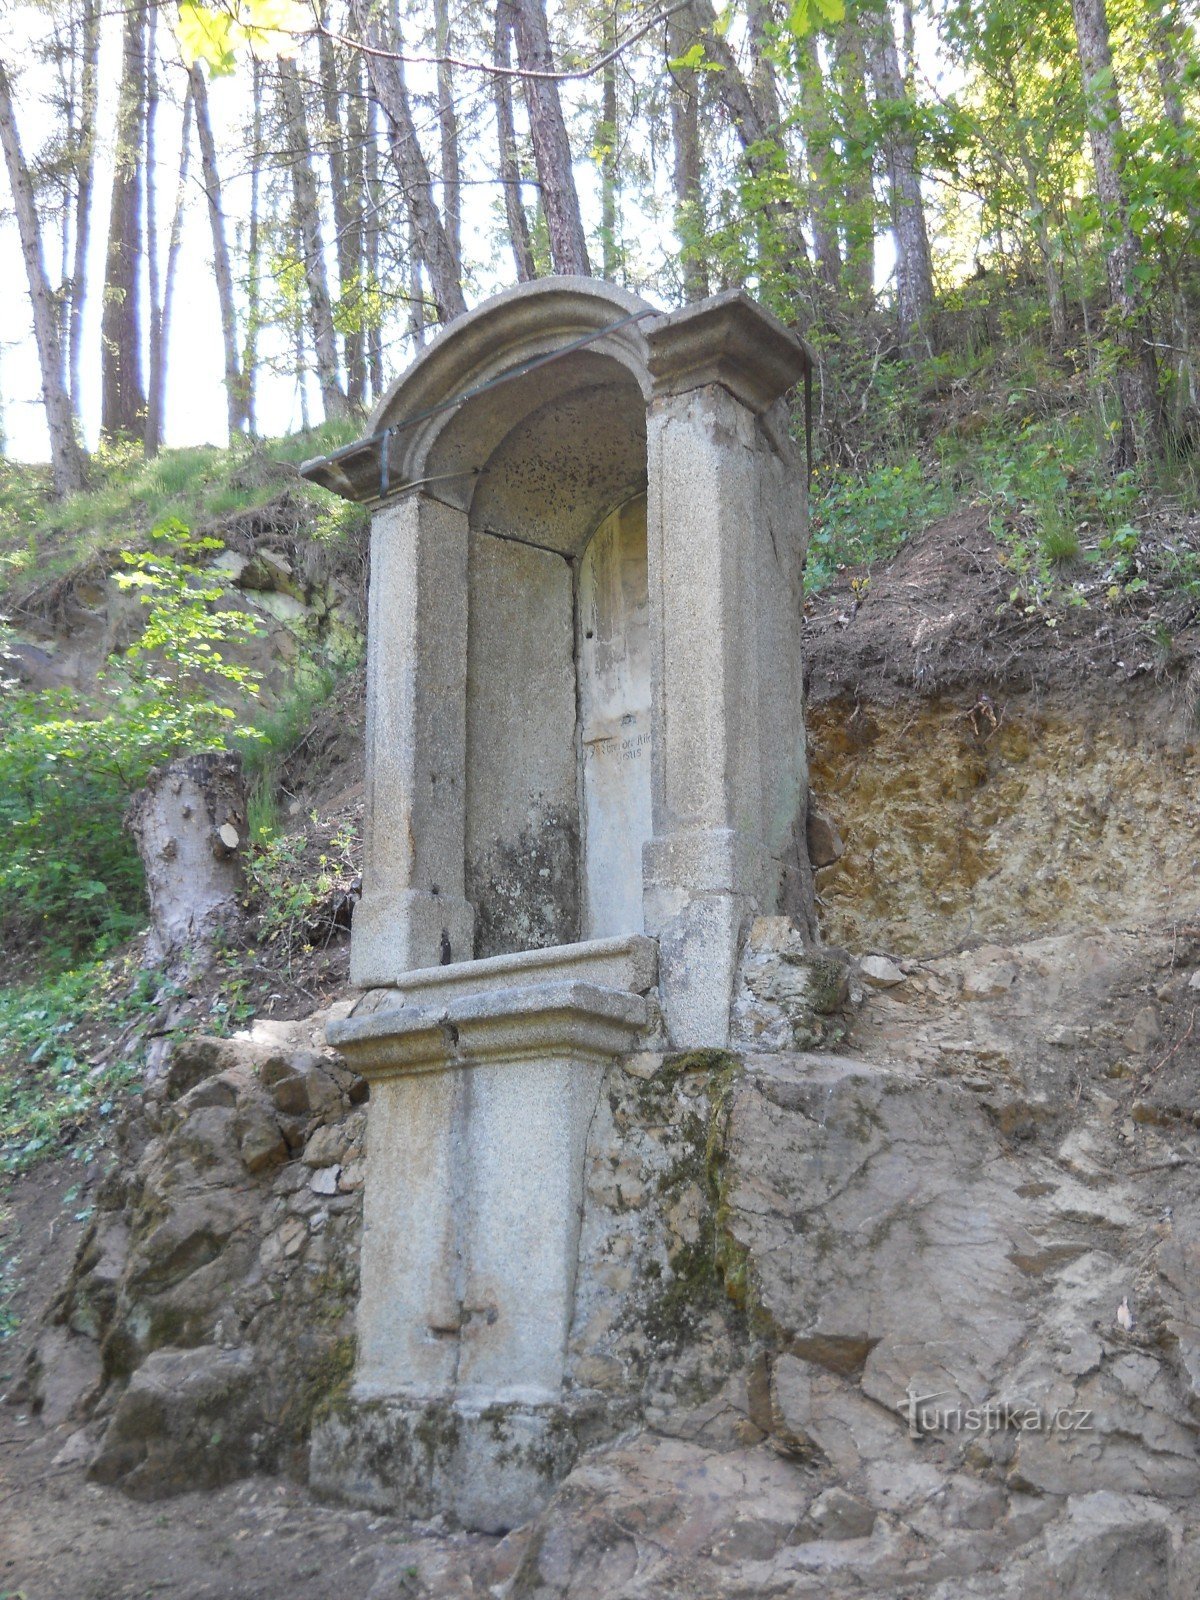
(308, 218)
(66, 458)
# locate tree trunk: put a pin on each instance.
(1137, 380)
(253, 255)
(371, 246)
(510, 171)
(352, 255)
(818, 139)
(173, 245)
(85, 167)
(158, 370)
(189, 825)
(686, 165)
(758, 138)
(606, 145)
(66, 457)
(308, 217)
(387, 80)
(346, 219)
(448, 134)
(914, 267)
(235, 392)
(299, 366)
(858, 205)
(122, 396)
(551, 146)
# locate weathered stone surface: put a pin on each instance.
(188, 1419)
(790, 994)
(195, 1252)
(880, 972)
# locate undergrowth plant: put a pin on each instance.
(70, 880)
(50, 1084)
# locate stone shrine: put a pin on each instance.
(585, 777)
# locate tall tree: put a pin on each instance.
(686, 167)
(156, 388)
(858, 197)
(386, 71)
(1137, 379)
(85, 166)
(122, 396)
(606, 150)
(750, 115)
(66, 457)
(914, 265)
(506, 139)
(822, 187)
(235, 388)
(158, 379)
(308, 220)
(551, 144)
(448, 132)
(249, 363)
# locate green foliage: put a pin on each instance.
(860, 518)
(292, 899)
(69, 876)
(41, 538)
(49, 1084)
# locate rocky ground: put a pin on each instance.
(957, 1156)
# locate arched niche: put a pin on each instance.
(556, 590)
(561, 450)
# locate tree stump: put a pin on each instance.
(189, 824)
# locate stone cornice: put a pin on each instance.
(729, 340)
(580, 1020)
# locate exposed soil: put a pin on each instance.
(939, 619)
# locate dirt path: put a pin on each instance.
(62, 1538)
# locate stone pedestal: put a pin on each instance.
(484, 1077)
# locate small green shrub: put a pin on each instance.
(48, 1083)
(70, 880)
(294, 887)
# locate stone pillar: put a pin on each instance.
(726, 525)
(414, 912)
(484, 1081)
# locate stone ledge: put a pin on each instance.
(572, 1018)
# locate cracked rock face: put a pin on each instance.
(921, 1250)
(846, 1322)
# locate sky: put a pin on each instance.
(195, 404)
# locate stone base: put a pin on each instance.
(483, 1467)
